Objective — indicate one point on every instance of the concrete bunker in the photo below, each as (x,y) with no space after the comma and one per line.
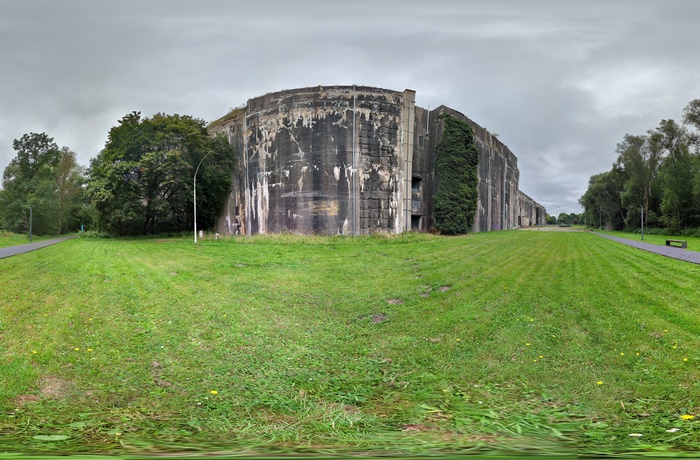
(354,160)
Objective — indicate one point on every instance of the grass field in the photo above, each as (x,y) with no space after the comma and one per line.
(530,342)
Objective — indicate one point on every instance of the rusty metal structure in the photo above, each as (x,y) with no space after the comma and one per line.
(354,160)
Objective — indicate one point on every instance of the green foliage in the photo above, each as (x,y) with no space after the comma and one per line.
(46,178)
(141,182)
(29,181)
(92,234)
(456,166)
(657,173)
(70,195)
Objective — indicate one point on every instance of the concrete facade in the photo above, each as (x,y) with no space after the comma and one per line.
(354,160)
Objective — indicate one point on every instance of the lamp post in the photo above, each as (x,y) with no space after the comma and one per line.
(194,188)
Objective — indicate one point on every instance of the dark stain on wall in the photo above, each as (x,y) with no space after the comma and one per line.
(354,160)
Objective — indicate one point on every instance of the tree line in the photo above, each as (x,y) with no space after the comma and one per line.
(654,182)
(140,183)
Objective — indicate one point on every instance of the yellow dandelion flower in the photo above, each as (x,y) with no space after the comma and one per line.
(76,349)
(534,360)
(527,344)
(214,392)
(541,356)
(685,359)
(89,350)
(622,354)
(637,353)
(599,382)
(687,417)
(34,351)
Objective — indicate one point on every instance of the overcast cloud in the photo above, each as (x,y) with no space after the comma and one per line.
(561,82)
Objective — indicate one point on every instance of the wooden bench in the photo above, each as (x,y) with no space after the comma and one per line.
(681,243)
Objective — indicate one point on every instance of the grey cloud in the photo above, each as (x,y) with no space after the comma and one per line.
(560,82)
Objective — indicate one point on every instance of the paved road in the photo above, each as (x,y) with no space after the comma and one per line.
(22,248)
(668,251)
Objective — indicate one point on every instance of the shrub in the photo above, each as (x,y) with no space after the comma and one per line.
(94,234)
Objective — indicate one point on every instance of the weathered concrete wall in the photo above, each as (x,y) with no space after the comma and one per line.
(328,160)
(423,172)
(530,212)
(498,175)
(352,160)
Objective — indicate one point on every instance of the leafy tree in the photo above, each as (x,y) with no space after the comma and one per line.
(691,113)
(456,163)
(676,174)
(640,157)
(141,182)
(602,201)
(691,117)
(29,180)
(69,178)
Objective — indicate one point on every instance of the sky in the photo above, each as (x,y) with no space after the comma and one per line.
(560,81)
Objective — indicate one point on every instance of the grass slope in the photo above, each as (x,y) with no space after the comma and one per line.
(520,341)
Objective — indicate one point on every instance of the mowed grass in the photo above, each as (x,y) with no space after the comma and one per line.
(532,342)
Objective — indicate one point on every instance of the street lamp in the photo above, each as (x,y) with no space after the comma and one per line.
(194,188)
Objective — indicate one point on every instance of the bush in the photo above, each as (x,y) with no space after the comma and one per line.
(94,234)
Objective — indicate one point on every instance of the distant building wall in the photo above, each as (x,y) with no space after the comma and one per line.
(351,160)
(530,213)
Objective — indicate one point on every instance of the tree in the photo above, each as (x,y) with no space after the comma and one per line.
(141,182)
(602,201)
(676,174)
(691,113)
(69,179)
(691,117)
(456,163)
(29,181)
(640,157)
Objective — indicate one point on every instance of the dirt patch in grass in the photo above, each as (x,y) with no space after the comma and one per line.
(53,387)
(23,400)
(379,318)
(50,387)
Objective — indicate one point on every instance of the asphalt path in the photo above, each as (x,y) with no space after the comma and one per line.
(22,248)
(667,251)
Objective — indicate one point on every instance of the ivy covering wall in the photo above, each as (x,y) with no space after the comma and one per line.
(457,177)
